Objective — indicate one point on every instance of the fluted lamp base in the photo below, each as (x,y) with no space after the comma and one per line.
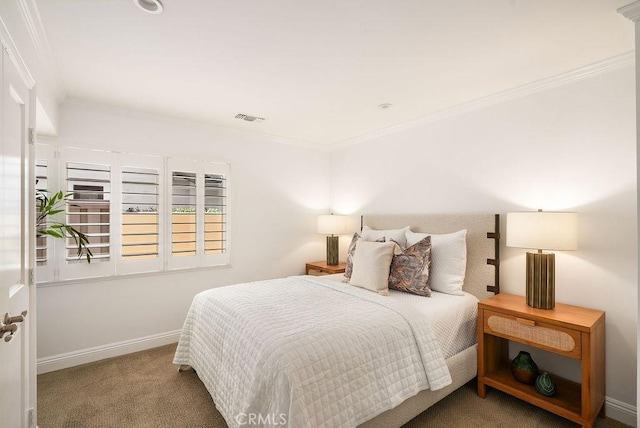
(332,250)
(541,278)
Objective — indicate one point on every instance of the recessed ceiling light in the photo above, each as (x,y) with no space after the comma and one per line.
(385,106)
(149,6)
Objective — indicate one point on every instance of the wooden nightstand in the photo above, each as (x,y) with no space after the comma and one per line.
(322,268)
(570,331)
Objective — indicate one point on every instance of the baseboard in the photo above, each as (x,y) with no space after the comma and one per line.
(83,356)
(623,412)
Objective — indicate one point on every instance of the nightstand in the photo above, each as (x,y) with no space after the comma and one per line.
(322,268)
(571,331)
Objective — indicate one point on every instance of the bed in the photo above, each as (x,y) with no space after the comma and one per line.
(313,351)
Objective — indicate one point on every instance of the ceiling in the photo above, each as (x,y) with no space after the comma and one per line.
(317,71)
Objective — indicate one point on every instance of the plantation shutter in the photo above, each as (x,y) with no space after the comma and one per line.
(46,182)
(41,186)
(141,214)
(216,236)
(198,232)
(88,179)
(214,217)
(88,209)
(184,213)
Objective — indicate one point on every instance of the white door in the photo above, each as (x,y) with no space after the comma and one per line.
(15,368)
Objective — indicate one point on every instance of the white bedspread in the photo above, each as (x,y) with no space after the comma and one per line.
(308,352)
(453,318)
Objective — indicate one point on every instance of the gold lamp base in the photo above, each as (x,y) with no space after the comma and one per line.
(332,250)
(541,280)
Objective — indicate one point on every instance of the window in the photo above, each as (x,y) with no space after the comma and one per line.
(118,201)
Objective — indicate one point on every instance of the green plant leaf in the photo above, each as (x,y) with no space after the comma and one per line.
(52,233)
(49,206)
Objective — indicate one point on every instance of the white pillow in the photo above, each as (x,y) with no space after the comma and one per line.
(371,263)
(398,235)
(448,259)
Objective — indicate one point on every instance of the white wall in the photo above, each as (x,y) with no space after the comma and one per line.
(276,192)
(568,148)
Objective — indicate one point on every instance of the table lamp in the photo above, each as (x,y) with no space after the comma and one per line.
(332,225)
(542,230)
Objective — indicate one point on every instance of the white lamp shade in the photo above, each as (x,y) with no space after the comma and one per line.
(332,224)
(542,230)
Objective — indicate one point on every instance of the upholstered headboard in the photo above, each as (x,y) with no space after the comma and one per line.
(482,277)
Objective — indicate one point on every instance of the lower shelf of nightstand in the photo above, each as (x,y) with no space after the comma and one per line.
(566,402)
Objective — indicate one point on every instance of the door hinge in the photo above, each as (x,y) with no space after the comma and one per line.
(32,276)
(32,136)
(31,420)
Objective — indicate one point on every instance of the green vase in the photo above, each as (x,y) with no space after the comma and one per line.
(524,369)
(545,385)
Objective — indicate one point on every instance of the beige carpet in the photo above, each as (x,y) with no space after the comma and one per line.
(145,390)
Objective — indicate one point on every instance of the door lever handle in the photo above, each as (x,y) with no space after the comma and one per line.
(8,329)
(17,318)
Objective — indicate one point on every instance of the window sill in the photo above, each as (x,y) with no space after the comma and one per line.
(129,275)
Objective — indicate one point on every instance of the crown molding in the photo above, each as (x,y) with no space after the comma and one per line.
(35,28)
(631,11)
(591,70)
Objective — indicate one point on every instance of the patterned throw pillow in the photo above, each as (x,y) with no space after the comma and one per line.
(350,252)
(410,269)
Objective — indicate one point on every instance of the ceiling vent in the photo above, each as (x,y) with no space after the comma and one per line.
(248,118)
